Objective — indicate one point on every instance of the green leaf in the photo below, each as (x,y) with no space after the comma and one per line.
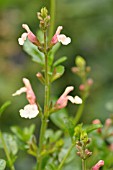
(10,143)
(51,53)
(4,106)
(69,126)
(55,48)
(2,164)
(50,58)
(56,136)
(51,166)
(58,118)
(59,61)
(58,72)
(23,134)
(93,127)
(33,51)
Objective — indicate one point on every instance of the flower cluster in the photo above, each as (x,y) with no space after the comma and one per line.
(33,39)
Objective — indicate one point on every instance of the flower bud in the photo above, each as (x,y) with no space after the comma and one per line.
(80,62)
(98,165)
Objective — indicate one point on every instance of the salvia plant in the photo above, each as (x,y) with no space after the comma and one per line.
(73,146)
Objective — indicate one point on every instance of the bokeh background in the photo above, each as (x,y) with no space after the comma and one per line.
(90,25)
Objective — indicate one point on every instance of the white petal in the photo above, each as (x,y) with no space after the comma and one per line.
(25,26)
(58,30)
(78,100)
(63,39)
(20,41)
(23,38)
(20,91)
(29,111)
(71,99)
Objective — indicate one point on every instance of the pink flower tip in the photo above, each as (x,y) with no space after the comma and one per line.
(98,165)
(60,37)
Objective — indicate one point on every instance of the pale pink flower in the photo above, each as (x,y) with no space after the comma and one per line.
(29,111)
(29,92)
(30,36)
(98,165)
(60,37)
(63,100)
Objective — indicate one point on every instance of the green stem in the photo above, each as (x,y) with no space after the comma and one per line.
(79,113)
(46,105)
(66,156)
(52,14)
(7,153)
(83,164)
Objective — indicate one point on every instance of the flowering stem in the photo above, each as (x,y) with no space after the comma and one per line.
(7,152)
(79,113)
(46,105)
(83,164)
(66,156)
(52,13)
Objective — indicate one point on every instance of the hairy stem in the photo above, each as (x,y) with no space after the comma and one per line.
(66,156)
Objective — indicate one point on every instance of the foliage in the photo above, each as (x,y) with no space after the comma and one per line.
(56,148)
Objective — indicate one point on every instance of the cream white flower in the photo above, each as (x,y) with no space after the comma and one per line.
(29,111)
(32,38)
(60,37)
(20,91)
(63,39)
(23,38)
(63,100)
(76,99)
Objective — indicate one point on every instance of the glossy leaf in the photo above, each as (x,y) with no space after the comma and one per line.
(93,127)
(33,51)
(23,134)
(10,142)
(2,164)
(59,61)
(58,118)
(58,72)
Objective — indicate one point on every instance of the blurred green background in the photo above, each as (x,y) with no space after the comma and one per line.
(90,25)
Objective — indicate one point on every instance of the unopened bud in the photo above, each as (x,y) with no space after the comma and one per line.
(75,70)
(80,62)
(88,153)
(90,81)
(108,122)
(82,87)
(98,165)
(40,77)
